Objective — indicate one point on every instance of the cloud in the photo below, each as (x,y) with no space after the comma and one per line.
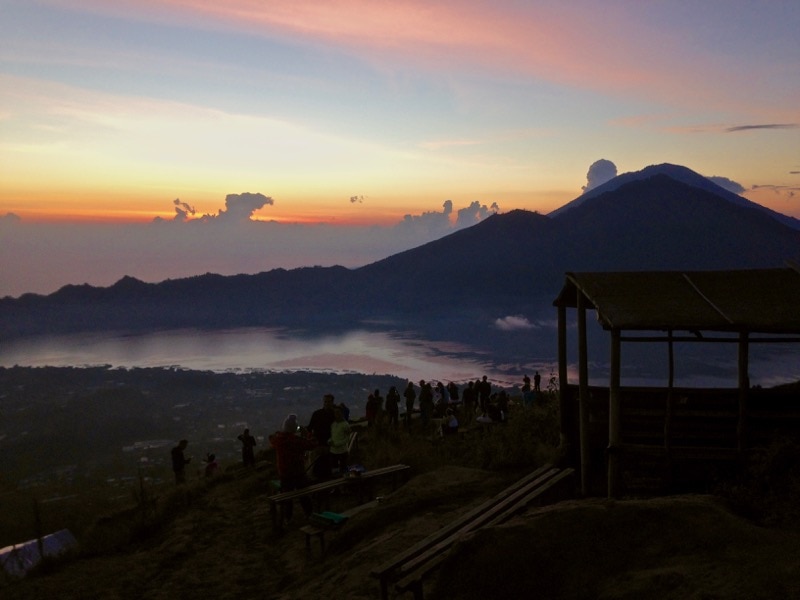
(239,208)
(727,184)
(474,213)
(431,223)
(237,244)
(764,126)
(787,190)
(514,323)
(599,172)
(10,218)
(183,210)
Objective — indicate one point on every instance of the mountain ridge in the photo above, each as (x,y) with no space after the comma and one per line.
(508,264)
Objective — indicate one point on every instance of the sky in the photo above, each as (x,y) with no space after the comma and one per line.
(168,138)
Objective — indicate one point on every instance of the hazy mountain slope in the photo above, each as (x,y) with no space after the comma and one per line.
(494,262)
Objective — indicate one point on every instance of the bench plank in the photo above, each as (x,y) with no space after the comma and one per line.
(427,562)
(276,501)
(388,570)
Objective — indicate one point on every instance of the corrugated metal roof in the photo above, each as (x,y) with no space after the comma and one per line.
(755,300)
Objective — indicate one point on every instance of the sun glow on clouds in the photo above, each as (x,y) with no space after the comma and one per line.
(129,142)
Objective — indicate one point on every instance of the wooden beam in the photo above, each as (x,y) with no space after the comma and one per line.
(566,441)
(583,386)
(670,394)
(614,416)
(744,387)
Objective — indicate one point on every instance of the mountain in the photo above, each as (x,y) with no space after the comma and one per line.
(508,264)
(678,173)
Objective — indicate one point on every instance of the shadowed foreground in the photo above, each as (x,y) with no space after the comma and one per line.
(221,546)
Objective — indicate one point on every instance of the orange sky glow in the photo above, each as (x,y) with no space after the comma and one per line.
(361,113)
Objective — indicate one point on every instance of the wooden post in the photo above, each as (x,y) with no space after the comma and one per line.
(614,416)
(744,387)
(670,395)
(583,385)
(566,440)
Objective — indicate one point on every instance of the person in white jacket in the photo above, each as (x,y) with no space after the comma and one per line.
(339,440)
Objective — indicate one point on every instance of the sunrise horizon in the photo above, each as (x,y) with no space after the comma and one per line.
(375,126)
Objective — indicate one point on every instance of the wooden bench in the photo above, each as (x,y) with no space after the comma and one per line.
(362,485)
(312,530)
(410,567)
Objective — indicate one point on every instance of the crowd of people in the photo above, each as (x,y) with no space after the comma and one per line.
(324,445)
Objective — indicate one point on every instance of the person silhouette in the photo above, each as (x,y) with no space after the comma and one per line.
(248,448)
(179,462)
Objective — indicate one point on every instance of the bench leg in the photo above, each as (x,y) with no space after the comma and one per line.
(320,535)
(273,513)
(417,590)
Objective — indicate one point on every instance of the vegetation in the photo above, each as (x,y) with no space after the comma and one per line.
(212,537)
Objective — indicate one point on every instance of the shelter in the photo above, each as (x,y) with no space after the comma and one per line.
(741,307)
(18,560)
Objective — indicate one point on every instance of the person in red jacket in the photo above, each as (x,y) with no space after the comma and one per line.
(290,450)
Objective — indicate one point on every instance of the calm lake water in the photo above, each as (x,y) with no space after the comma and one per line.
(358,351)
(396,353)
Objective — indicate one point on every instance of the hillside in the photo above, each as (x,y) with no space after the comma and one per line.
(219,546)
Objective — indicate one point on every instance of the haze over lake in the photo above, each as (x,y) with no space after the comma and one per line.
(401,353)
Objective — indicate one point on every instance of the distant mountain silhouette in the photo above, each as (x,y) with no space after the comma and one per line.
(678,173)
(508,264)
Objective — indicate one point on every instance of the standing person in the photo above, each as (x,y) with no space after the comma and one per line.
(393,406)
(484,392)
(340,440)
(211,465)
(371,410)
(290,450)
(502,404)
(527,394)
(179,462)
(320,427)
(378,406)
(468,396)
(537,382)
(442,399)
(410,395)
(452,389)
(426,404)
(248,446)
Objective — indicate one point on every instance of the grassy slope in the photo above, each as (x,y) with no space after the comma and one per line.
(214,540)
(220,546)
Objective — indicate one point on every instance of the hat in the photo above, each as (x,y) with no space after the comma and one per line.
(290,424)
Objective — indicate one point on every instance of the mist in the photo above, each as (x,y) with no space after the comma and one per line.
(42,257)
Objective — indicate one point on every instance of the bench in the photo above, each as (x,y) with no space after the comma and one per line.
(409,568)
(319,530)
(362,485)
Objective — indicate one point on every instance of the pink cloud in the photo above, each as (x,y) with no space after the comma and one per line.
(570,44)
(615,49)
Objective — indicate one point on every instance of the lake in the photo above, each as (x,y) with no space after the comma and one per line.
(404,354)
(356,351)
